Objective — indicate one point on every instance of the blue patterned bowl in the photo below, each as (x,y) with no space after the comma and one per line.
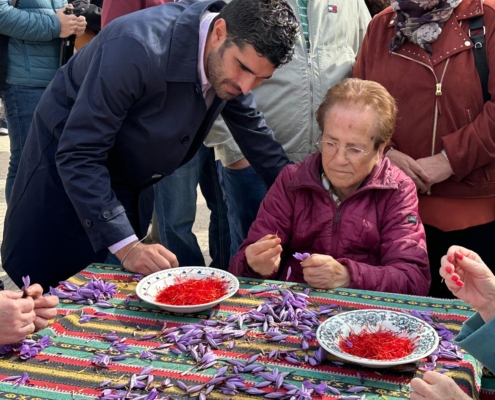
(330,332)
(151,285)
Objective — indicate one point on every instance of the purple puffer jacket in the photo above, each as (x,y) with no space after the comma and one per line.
(376,232)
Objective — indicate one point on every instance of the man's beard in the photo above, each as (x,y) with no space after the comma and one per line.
(214,66)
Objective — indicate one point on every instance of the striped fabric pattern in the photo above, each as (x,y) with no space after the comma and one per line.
(64,370)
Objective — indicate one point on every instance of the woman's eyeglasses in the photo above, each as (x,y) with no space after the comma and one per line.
(352,154)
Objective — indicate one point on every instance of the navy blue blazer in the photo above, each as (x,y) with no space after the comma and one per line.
(133,110)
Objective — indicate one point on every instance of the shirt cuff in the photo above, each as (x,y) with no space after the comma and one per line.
(120,245)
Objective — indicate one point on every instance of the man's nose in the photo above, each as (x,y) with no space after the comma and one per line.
(248,83)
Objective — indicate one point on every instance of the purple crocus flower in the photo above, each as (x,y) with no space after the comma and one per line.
(301,257)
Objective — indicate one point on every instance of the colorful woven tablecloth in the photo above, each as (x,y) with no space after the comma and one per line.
(64,370)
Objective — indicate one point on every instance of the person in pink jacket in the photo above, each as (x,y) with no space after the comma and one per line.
(347,206)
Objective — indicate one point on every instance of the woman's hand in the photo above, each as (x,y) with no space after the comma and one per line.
(435,386)
(44,306)
(324,272)
(146,258)
(263,256)
(16,317)
(412,169)
(479,282)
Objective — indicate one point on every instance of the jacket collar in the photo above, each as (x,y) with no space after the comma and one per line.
(183,57)
(451,41)
(308,175)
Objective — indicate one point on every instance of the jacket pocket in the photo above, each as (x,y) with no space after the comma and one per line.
(25,55)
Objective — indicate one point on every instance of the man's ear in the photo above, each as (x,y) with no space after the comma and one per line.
(219,32)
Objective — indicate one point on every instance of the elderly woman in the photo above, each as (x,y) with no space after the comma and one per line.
(355,213)
(422,53)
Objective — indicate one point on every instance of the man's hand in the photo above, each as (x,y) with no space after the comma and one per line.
(80,26)
(435,386)
(437,167)
(324,272)
(412,169)
(68,23)
(16,317)
(44,306)
(264,256)
(147,258)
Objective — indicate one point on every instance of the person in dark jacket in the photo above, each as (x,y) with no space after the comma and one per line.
(129,108)
(354,213)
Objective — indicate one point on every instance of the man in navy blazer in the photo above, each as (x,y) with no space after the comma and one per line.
(129,108)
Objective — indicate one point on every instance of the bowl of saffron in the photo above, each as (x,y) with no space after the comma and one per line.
(187,289)
(377,338)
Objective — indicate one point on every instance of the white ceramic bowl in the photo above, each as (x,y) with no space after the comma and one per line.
(330,332)
(150,286)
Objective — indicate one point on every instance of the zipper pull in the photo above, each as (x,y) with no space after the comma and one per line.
(309,60)
(439,90)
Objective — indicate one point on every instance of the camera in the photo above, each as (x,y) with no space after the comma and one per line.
(67,46)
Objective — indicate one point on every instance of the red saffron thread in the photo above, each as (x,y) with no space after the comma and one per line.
(383,344)
(190,291)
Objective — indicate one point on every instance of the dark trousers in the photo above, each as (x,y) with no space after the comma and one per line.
(479,239)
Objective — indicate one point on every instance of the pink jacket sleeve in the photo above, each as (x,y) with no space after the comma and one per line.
(404,260)
(274,216)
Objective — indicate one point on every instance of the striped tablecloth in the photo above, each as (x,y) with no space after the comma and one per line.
(64,370)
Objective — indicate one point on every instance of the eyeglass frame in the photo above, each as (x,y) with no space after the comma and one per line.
(320,148)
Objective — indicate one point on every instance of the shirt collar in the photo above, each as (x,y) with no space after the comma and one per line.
(204,26)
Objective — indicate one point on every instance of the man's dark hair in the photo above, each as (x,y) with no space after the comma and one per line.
(270,26)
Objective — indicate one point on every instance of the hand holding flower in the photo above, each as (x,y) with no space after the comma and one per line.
(478,288)
(263,256)
(324,272)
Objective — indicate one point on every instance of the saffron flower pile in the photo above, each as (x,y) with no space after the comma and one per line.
(96,292)
(190,291)
(383,344)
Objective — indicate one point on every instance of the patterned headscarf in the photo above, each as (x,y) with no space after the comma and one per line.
(420,21)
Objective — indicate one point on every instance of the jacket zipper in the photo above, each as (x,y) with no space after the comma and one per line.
(438,93)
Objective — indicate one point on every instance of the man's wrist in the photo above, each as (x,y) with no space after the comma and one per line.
(120,254)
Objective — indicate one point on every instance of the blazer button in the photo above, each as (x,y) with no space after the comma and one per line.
(184,139)
(87,222)
(106,214)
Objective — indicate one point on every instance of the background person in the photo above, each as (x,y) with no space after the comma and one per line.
(354,212)
(421,51)
(34,28)
(477,333)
